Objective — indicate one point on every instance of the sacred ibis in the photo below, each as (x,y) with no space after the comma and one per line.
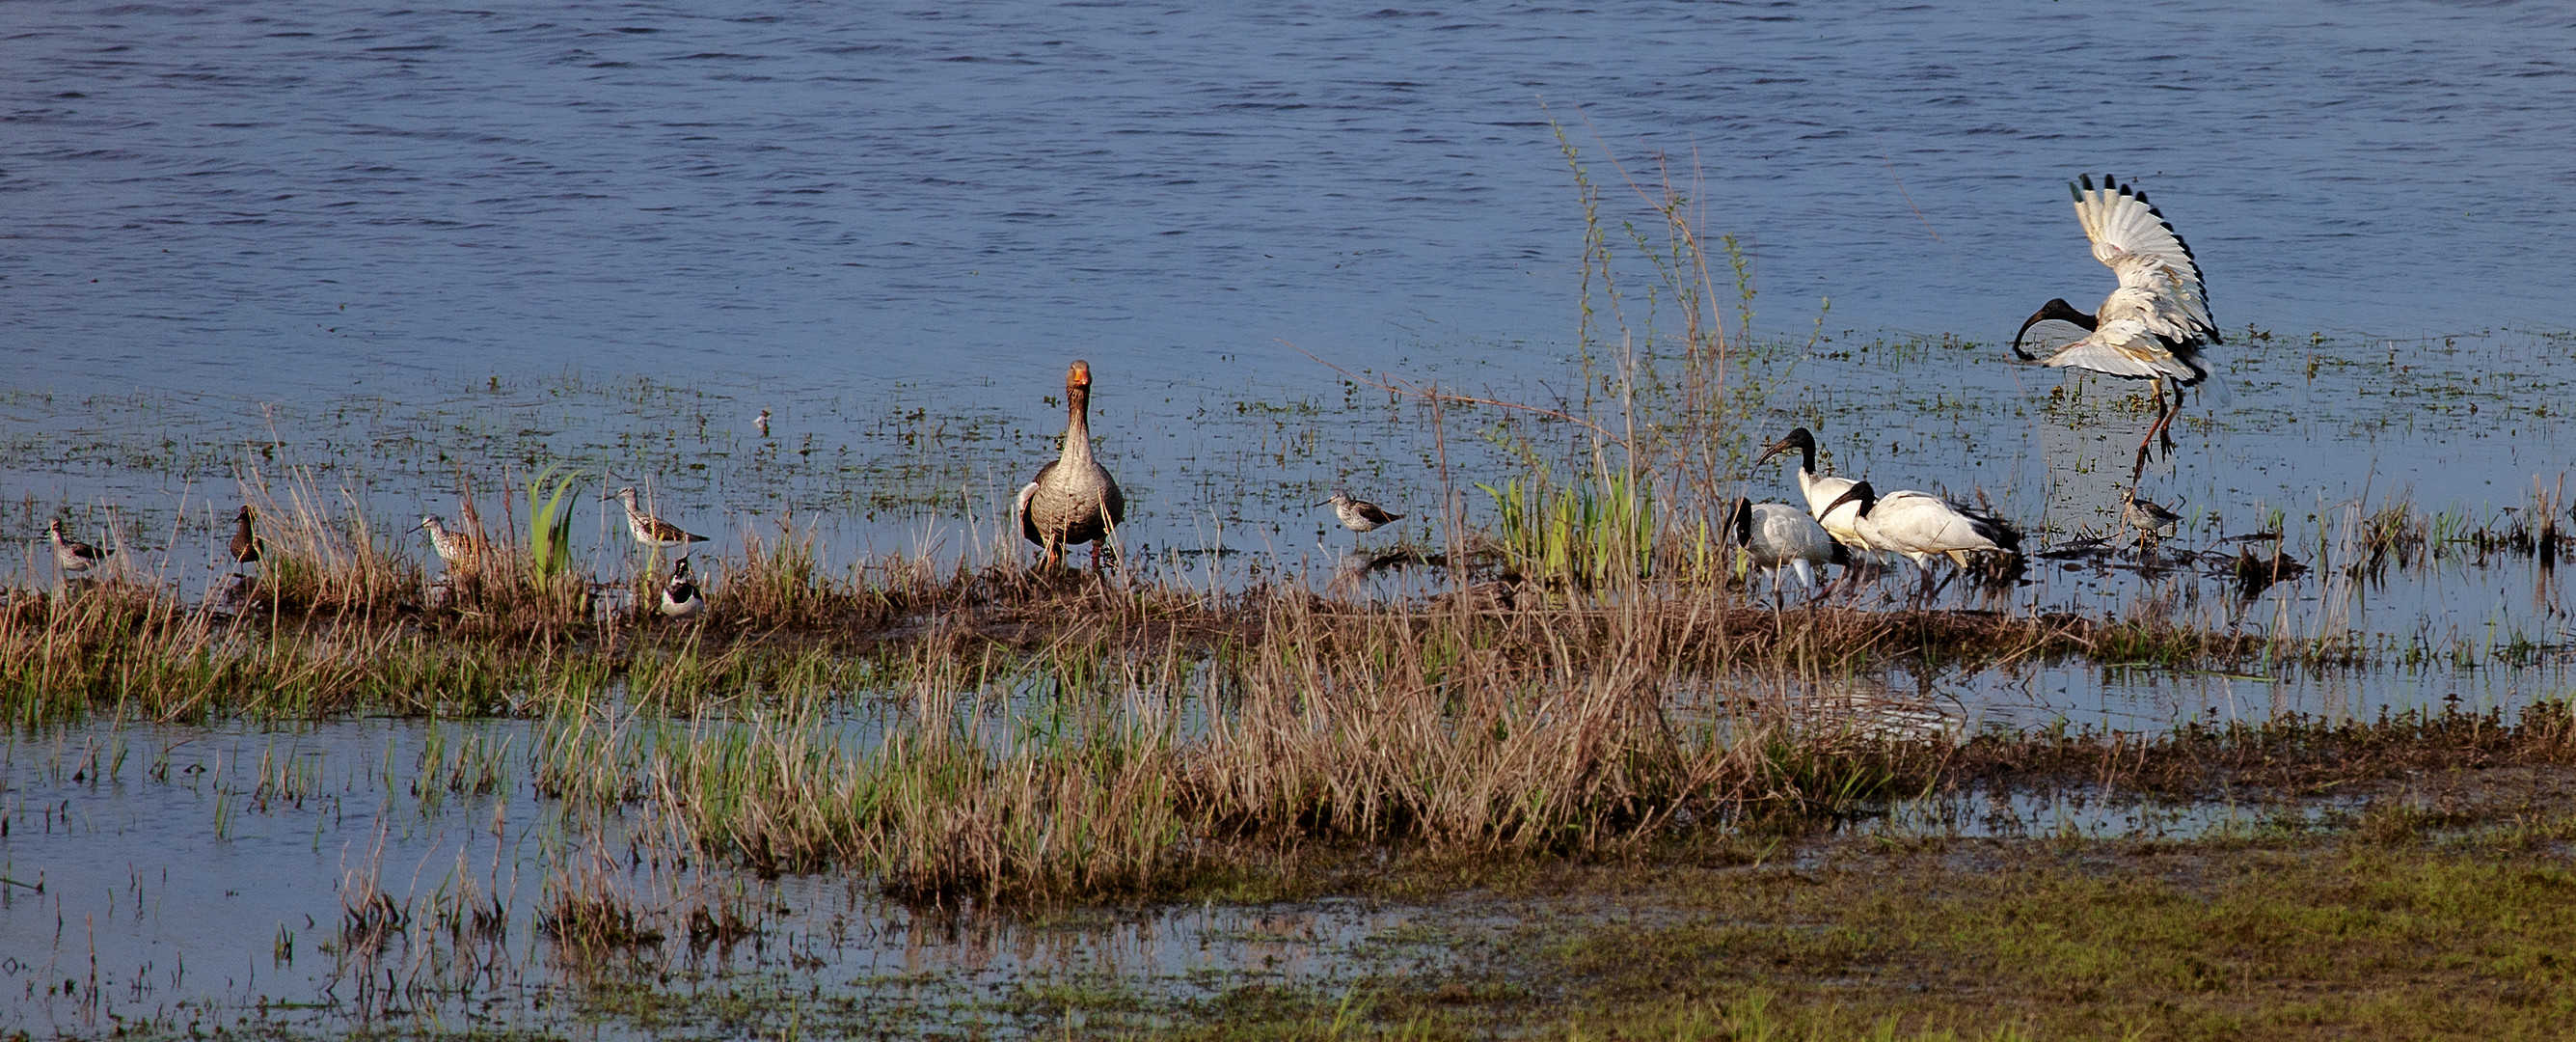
(1777,536)
(1820,491)
(2153,326)
(1922,526)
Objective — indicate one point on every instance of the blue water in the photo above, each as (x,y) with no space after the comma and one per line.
(382,238)
(254,198)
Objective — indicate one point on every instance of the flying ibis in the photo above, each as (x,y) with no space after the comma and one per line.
(2153,326)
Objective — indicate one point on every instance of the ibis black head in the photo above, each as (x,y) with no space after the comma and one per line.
(2057,309)
(1798,439)
(1860,493)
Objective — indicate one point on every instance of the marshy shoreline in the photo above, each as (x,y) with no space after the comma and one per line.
(1599,778)
(1663,810)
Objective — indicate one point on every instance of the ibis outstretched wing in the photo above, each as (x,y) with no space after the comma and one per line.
(2160,281)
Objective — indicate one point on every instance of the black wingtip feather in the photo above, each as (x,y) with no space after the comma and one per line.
(1998,531)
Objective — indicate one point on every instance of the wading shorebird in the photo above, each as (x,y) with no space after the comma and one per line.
(762,422)
(1821,492)
(2152,522)
(1777,536)
(1922,526)
(648,529)
(1358,515)
(245,545)
(2153,326)
(1073,499)
(456,548)
(680,597)
(71,555)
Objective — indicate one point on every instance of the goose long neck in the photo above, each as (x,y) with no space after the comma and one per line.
(1077,424)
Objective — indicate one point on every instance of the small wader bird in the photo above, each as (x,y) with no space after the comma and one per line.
(2152,521)
(1073,499)
(71,555)
(245,544)
(1358,515)
(648,529)
(456,548)
(2153,326)
(680,597)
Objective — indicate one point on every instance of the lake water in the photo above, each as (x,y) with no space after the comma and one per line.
(383,246)
(253,198)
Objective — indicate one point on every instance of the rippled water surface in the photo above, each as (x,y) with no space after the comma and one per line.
(248,197)
(358,251)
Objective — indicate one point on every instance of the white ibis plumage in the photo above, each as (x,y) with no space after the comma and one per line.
(1922,526)
(1777,536)
(1820,490)
(1073,499)
(2153,326)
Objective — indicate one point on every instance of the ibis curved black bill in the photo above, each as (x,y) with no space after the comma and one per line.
(2057,309)
(1860,493)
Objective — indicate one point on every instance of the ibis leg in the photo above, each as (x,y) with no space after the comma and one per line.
(2165,415)
(2153,429)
